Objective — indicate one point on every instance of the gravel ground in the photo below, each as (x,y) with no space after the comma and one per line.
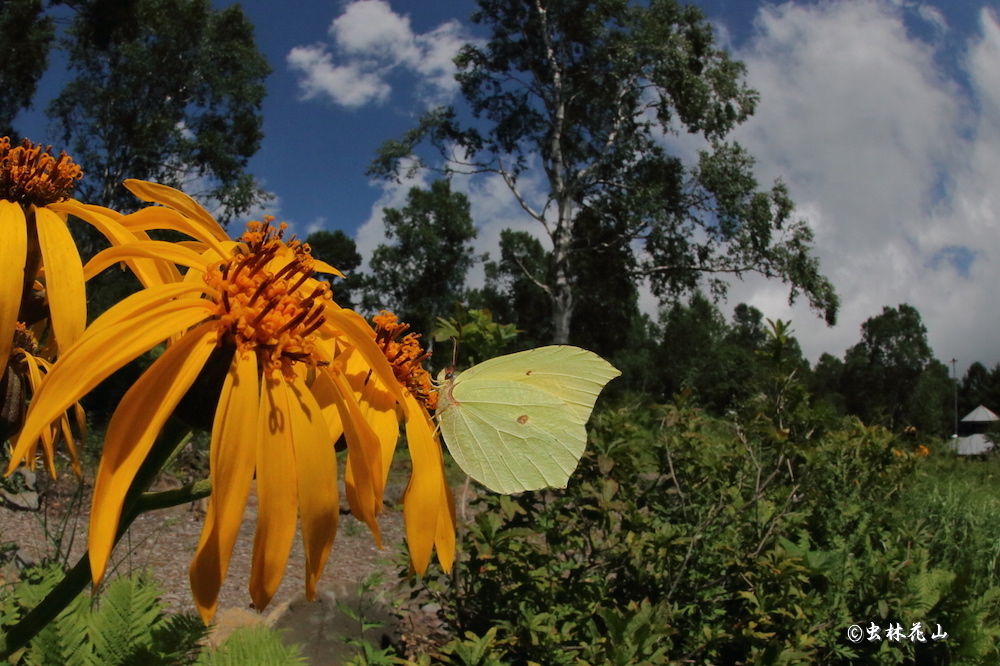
(164,542)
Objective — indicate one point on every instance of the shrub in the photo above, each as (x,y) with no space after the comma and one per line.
(683,538)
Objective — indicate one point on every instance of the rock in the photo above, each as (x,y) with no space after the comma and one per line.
(26,500)
(323,629)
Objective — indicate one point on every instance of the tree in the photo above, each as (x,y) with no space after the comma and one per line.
(827,381)
(979,386)
(604,318)
(930,407)
(689,359)
(513,291)
(748,327)
(340,251)
(586,90)
(421,275)
(974,389)
(883,370)
(24,52)
(165,90)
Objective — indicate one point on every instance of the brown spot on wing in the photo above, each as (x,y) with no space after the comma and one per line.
(522,419)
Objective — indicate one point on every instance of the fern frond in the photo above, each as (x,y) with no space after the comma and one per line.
(124,621)
(177,639)
(252,646)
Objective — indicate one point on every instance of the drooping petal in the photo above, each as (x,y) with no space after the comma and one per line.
(277,491)
(98,354)
(34,381)
(67,434)
(316,466)
(13,250)
(444,542)
(180,202)
(133,430)
(363,480)
(233,454)
(424,498)
(35,365)
(64,283)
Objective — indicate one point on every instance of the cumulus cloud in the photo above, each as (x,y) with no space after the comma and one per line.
(891,159)
(369,44)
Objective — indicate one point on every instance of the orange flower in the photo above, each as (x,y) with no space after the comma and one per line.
(428,505)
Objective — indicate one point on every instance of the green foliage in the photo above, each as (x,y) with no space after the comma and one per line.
(368,599)
(727,366)
(165,90)
(419,275)
(686,539)
(24,55)
(128,625)
(476,336)
(890,377)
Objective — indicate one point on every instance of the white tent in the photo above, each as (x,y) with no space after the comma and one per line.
(976,444)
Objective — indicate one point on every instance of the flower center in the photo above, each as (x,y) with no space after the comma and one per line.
(262,307)
(24,339)
(406,357)
(30,175)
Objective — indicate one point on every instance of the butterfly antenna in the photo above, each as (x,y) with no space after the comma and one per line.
(454,359)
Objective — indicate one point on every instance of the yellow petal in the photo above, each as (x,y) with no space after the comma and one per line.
(63,278)
(172,252)
(322,267)
(182,203)
(316,464)
(33,366)
(67,434)
(444,541)
(233,453)
(108,223)
(133,430)
(362,337)
(98,354)
(153,298)
(363,479)
(13,250)
(379,410)
(276,493)
(423,499)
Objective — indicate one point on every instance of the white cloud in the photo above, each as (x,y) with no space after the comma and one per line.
(370,42)
(318,224)
(347,85)
(890,160)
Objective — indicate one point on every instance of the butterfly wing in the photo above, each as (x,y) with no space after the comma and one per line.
(510,436)
(574,375)
(518,422)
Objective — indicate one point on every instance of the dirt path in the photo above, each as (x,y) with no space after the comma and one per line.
(164,542)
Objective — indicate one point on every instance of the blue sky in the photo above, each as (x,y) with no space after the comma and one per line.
(882,116)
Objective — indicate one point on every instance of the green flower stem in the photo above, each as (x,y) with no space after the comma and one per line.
(137,502)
